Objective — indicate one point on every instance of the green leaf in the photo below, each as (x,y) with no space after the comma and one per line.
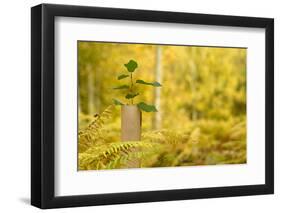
(131,65)
(122,87)
(131,95)
(122,76)
(117,102)
(146,107)
(155,83)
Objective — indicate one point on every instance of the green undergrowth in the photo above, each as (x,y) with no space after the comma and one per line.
(201,142)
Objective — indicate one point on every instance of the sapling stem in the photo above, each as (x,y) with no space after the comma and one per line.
(131,91)
(131,88)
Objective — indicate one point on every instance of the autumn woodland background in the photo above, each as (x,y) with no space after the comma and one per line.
(201,118)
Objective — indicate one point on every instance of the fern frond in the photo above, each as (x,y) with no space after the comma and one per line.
(194,136)
(92,133)
(107,156)
(166,136)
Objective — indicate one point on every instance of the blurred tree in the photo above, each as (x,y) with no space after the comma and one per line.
(203,100)
(157,117)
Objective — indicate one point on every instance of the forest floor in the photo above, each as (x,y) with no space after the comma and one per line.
(204,142)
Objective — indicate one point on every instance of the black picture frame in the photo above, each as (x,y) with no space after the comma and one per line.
(43,102)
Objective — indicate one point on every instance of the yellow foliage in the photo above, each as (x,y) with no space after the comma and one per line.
(202,106)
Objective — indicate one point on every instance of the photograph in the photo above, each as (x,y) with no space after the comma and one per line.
(146,105)
(132,105)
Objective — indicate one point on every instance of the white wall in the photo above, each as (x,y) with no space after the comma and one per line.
(15,105)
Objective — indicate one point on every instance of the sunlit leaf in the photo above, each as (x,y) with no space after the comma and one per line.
(155,83)
(146,107)
(117,102)
(122,87)
(131,65)
(122,76)
(131,95)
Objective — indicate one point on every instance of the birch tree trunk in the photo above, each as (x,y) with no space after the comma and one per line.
(97,92)
(193,69)
(157,118)
(90,91)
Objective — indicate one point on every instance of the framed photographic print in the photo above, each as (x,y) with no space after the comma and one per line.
(139,106)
